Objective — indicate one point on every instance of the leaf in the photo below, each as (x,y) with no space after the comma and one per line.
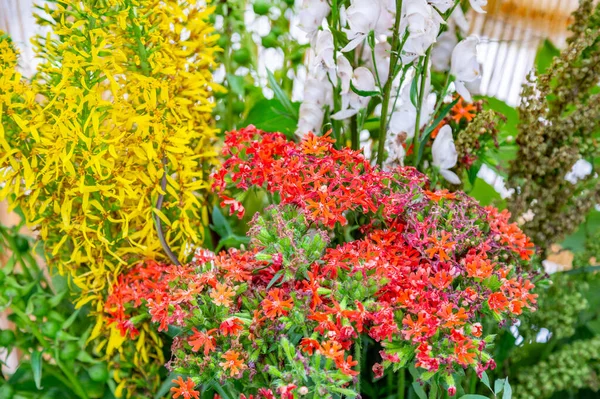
(275,278)
(220,224)
(280,95)
(36,368)
(164,388)
(507,391)
(486,381)
(271,116)
(431,127)
(499,385)
(236,84)
(545,56)
(419,390)
(471,396)
(364,93)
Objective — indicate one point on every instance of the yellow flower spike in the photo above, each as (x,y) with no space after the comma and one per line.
(82,145)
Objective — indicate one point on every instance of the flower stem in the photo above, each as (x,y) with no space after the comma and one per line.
(388,84)
(417,137)
(358,359)
(161,237)
(402,384)
(354,133)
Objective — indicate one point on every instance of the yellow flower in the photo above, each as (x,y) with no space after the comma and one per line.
(123,95)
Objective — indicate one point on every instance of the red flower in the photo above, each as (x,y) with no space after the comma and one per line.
(309,345)
(345,366)
(185,389)
(200,340)
(498,301)
(231,326)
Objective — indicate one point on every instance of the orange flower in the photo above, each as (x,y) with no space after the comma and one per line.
(185,389)
(231,326)
(451,319)
(479,268)
(438,195)
(460,111)
(202,340)
(498,301)
(232,362)
(345,366)
(309,345)
(222,295)
(274,305)
(464,352)
(332,349)
(440,247)
(477,330)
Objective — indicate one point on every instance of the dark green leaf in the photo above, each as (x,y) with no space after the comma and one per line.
(363,93)
(36,368)
(280,95)
(275,278)
(220,224)
(164,388)
(271,116)
(419,390)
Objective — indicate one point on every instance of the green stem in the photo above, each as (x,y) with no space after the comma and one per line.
(227,64)
(354,133)
(417,137)
(402,384)
(358,358)
(388,85)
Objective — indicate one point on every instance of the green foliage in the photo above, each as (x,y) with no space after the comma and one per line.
(49,334)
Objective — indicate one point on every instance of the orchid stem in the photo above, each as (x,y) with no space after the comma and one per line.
(388,84)
(417,137)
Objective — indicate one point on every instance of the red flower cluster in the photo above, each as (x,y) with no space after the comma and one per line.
(418,278)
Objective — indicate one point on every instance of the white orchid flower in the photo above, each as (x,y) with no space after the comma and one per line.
(364,16)
(362,80)
(464,65)
(404,117)
(442,5)
(444,154)
(324,51)
(317,94)
(311,15)
(423,25)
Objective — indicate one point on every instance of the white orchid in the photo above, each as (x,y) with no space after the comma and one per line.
(464,66)
(317,94)
(423,25)
(444,154)
(362,80)
(442,5)
(404,117)
(324,52)
(478,4)
(364,16)
(311,15)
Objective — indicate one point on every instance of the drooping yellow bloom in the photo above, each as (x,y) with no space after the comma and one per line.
(123,94)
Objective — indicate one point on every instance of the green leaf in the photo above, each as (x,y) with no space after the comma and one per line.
(275,278)
(507,391)
(499,385)
(280,95)
(419,390)
(271,116)
(220,224)
(364,93)
(545,55)
(236,84)
(486,381)
(471,396)
(164,388)
(36,368)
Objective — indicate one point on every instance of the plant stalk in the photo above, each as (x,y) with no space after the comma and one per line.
(388,84)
